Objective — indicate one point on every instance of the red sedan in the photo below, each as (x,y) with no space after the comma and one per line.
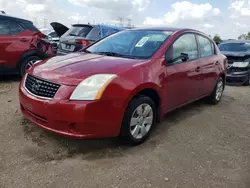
(124,83)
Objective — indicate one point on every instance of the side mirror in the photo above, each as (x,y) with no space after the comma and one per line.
(170,60)
(184,57)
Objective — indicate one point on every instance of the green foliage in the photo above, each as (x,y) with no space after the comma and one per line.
(217,39)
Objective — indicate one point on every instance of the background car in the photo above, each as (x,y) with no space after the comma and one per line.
(21,45)
(52,37)
(80,35)
(123,83)
(238,55)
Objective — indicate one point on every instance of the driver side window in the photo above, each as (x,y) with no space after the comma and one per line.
(183,49)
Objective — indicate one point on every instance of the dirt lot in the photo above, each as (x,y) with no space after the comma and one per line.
(197,146)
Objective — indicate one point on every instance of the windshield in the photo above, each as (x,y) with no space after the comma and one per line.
(141,44)
(80,31)
(235,47)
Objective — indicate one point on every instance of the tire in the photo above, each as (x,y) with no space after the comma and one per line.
(215,97)
(138,120)
(27,63)
(248,81)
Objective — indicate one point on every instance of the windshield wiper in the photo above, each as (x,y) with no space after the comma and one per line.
(86,51)
(115,54)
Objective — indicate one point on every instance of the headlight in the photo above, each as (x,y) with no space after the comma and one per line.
(92,87)
(240,64)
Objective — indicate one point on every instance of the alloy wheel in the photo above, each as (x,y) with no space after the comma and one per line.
(141,121)
(30,64)
(219,90)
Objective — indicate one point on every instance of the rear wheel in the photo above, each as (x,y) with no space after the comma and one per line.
(27,63)
(216,96)
(138,120)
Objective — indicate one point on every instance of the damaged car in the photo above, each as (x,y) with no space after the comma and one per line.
(122,84)
(238,55)
(21,45)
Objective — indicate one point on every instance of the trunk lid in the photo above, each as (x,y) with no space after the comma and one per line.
(59,28)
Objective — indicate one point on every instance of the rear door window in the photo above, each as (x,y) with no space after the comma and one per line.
(15,28)
(206,47)
(4,27)
(30,26)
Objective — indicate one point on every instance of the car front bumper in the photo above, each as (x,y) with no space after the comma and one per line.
(237,78)
(79,119)
(62,52)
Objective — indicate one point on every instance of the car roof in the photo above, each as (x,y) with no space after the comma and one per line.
(162,29)
(100,25)
(13,18)
(235,41)
(169,29)
(110,27)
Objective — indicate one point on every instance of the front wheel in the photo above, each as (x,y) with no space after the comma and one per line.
(27,63)
(248,81)
(216,96)
(138,120)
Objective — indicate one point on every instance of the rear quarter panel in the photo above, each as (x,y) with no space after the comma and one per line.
(17,45)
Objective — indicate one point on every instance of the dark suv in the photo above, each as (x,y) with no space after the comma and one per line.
(21,45)
(238,55)
(80,35)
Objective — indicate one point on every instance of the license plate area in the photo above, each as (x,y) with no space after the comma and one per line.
(68,47)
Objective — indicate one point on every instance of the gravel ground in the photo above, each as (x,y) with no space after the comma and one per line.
(197,146)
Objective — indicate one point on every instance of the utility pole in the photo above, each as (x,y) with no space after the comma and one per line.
(35,21)
(121,21)
(45,22)
(129,22)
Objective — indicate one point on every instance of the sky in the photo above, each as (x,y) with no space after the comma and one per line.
(228,18)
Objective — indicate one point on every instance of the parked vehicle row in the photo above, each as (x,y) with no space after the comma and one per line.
(124,83)
(80,35)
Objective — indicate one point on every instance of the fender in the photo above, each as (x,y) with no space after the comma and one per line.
(31,53)
(140,88)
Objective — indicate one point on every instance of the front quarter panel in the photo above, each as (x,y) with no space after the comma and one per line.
(148,75)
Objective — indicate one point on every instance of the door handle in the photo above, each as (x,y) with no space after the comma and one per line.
(198,69)
(24,40)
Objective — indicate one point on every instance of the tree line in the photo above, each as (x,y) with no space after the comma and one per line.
(218,39)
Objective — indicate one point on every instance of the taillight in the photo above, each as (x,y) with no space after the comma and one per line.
(83,42)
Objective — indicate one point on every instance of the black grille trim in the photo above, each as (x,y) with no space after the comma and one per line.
(237,69)
(40,88)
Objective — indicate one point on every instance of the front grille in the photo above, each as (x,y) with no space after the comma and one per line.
(40,87)
(237,69)
(232,59)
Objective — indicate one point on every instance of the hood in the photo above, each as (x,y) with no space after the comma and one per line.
(71,69)
(59,28)
(235,54)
